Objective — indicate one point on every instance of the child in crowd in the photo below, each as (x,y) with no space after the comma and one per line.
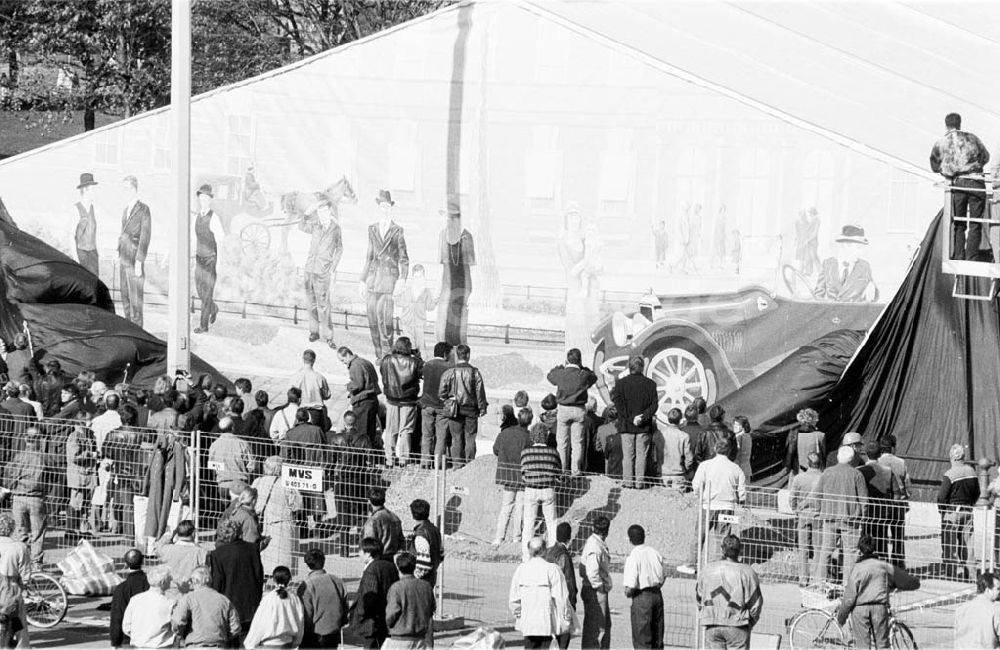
(548,416)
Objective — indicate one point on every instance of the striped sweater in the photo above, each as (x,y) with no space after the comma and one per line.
(540,467)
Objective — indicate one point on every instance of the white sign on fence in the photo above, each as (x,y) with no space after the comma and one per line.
(216,466)
(298,477)
(729,519)
(459,489)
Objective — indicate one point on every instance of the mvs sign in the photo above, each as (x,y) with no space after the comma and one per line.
(297,477)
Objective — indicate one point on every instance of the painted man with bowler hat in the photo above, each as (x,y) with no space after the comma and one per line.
(86,227)
(846,277)
(207,229)
(385,263)
(133,244)
(325,250)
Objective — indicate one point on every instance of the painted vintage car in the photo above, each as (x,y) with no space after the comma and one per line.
(710,345)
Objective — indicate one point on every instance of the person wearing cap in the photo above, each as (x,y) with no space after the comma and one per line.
(86,228)
(457,254)
(326,247)
(25,478)
(842,496)
(846,277)
(853,440)
(897,513)
(207,231)
(385,262)
(133,244)
(883,492)
(959,491)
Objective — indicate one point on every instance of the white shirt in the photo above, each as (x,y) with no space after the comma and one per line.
(282,421)
(277,622)
(720,482)
(643,568)
(104,424)
(147,620)
(313,386)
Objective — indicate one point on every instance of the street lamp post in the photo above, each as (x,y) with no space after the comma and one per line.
(179,327)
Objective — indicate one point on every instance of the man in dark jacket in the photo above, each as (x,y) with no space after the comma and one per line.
(368,611)
(462,386)
(510,442)
(237,572)
(434,426)
(324,603)
(959,491)
(636,402)
(560,555)
(48,388)
(715,431)
(608,444)
(305,445)
(135,583)
(386,262)
(363,390)
(383,524)
(425,542)
(572,381)
(401,372)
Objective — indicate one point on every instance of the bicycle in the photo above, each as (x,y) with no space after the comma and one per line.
(817,627)
(45,602)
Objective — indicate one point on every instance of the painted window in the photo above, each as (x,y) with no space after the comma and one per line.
(818,182)
(107,146)
(543,165)
(753,193)
(404,160)
(239,144)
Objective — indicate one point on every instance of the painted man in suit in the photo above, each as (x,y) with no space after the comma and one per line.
(325,249)
(847,277)
(385,263)
(133,244)
(86,228)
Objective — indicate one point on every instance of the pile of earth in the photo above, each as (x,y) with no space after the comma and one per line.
(473,500)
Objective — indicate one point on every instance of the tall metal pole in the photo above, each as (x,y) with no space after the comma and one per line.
(179,327)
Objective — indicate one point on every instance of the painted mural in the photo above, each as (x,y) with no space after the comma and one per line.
(712,242)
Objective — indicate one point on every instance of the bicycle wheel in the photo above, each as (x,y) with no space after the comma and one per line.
(44,601)
(815,628)
(902,638)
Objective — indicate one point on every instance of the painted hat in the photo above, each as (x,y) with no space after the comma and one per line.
(855,234)
(384,197)
(86,179)
(205,189)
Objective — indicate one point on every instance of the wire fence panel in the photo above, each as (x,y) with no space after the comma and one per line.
(128,486)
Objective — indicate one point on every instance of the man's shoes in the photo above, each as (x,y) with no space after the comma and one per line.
(330,342)
(199,330)
(313,337)
(215,313)
(687,569)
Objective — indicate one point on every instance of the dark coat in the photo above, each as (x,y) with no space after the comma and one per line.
(133,243)
(164,480)
(304,444)
(560,556)
(368,611)
(635,395)
(507,448)
(238,574)
(135,583)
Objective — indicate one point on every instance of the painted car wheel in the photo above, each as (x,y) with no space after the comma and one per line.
(254,238)
(680,377)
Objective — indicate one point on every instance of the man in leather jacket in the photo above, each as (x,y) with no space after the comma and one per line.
(464,403)
(401,371)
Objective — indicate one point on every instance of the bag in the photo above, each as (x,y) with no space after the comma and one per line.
(265,541)
(483,638)
(330,497)
(450,408)
(140,509)
(86,572)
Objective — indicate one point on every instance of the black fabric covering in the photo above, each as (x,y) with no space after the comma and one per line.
(804,379)
(929,372)
(70,315)
(39,273)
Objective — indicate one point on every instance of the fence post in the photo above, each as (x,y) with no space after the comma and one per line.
(195,451)
(527,294)
(295,314)
(506,334)
(244,310)
(439,520)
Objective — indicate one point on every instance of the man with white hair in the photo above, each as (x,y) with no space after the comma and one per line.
(203,617)
(959,491)
(539,599)
(842,496)
(147,616)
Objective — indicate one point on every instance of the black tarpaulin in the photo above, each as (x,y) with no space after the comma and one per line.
(39,273)
(803,379)
(928,373)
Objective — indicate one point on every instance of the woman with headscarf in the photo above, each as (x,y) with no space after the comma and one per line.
(277,507)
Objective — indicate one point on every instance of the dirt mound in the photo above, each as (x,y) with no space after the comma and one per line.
(473,501)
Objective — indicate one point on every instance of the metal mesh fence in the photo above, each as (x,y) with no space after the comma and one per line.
(127,487)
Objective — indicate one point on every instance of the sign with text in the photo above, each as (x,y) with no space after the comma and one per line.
(216,466)
(459,489)
(298,477)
